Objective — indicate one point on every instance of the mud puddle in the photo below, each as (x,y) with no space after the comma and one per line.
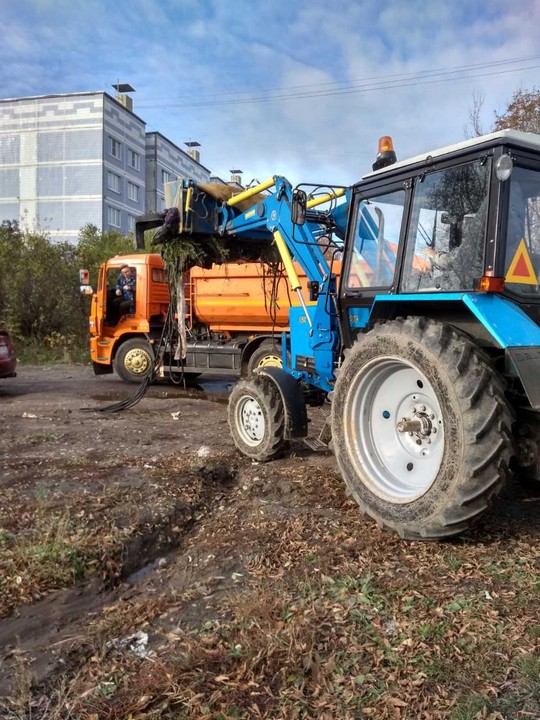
(154,566)
(214,389)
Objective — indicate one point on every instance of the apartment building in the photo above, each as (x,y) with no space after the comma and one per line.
(69,160)
(165,161)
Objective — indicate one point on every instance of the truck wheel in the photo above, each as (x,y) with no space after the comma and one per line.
(268,354)
(421,428)
(257,418)
(134,360)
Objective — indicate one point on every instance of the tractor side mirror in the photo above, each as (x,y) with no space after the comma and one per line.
(299,207)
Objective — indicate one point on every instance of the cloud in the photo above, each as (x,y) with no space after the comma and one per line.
(203,70)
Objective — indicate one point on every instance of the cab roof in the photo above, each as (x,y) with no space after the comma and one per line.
(529,141)
(135,259)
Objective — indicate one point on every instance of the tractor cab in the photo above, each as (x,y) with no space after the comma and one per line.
(463,219)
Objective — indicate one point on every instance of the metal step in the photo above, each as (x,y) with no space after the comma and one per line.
(316,444)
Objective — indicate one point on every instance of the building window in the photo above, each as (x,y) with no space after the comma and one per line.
(114,182)
(165,176)
(114,217)
(133,192)
(131,224)
(115,147)
(134,159)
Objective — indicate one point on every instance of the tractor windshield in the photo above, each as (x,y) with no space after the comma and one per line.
(446,234)
(522,246)
(376,240)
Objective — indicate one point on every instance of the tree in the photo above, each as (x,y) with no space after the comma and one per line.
(521,113)
(95,247)
(40,300)
(474,125)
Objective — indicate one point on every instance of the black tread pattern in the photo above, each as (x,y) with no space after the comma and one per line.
(477,456)
(265,392)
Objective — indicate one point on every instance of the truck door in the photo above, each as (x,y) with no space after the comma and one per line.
(99,302)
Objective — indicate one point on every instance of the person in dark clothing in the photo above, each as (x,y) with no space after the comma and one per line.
(125,291)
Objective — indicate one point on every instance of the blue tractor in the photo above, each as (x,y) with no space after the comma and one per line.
(427,344)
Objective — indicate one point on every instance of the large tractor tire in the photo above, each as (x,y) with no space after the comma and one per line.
(421,428)
(268,354)
(134,360)
(257,418)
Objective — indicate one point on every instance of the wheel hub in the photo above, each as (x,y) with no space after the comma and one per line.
(420,424)
(137,361)
(269,361)
(252,420)
(398,431)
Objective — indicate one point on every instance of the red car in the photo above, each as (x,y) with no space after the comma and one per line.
(8,361)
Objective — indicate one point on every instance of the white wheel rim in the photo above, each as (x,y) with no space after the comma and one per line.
(250,421)
(397,433)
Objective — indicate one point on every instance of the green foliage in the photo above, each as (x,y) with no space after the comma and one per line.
(40,299)
(95,247)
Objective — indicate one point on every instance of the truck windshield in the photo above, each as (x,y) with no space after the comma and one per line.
(522,246)
(446,235)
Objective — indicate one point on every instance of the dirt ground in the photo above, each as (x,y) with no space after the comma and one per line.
(145,478)
(148,521)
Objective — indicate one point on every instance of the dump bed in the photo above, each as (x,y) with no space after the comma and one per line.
(241,297)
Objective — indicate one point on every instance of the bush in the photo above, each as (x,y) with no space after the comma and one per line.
(40,300)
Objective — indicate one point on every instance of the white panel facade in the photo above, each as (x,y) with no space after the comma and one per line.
(165,162)
(50,153)
(123,167)
(70,160)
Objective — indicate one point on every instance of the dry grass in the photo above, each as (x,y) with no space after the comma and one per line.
(342,647)
(332,619)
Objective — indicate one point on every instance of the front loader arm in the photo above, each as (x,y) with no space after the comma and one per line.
(271,218)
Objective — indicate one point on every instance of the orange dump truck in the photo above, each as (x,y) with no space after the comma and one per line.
(235,314)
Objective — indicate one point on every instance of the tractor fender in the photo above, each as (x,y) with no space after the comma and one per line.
(296,421)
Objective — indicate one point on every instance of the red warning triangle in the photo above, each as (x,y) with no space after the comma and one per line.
(521,269)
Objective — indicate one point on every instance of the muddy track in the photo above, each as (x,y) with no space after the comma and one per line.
(153,479)
(52,632)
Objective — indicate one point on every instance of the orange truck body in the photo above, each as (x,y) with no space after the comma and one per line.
(236,303)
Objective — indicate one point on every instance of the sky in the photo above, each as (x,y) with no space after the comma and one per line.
(301,88)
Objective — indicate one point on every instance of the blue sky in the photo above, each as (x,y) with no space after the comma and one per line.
(302,88)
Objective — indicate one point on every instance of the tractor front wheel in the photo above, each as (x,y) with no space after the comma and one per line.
(257,418)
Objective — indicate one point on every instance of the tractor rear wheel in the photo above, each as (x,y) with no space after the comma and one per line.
(421,428)
(257,418)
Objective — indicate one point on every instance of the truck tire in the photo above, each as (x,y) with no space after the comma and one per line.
(268,354)
(134,360)
(421,428)
(257,418)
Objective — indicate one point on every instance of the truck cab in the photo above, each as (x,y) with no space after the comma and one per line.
(110,328)
(235,316)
